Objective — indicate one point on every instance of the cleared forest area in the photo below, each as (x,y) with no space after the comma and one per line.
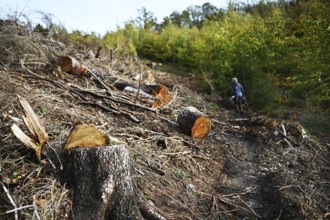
(251,166)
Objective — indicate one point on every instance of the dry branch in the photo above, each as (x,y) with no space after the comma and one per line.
(100,81)
(115,99)
(115,111)
(149,212)
(10,199)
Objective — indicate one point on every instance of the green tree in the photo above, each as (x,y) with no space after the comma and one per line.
(124,40)
(146,19)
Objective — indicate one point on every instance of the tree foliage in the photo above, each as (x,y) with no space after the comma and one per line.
(279,50)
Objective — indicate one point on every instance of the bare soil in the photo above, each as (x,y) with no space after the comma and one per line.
(246,168)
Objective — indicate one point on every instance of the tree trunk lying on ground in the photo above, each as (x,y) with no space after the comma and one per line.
(141,95)
(71,65)
(122,84)
(194,123)
(159,92)
(102,185)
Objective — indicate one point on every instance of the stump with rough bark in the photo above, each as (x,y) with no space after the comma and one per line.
(193,122)
(102,184)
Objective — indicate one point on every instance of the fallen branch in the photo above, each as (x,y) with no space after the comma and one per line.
(224,199)
(19,208)
(117,112)
(207,80)
(149,212)
(286,138)
(109,91)
(42,78)
(179,153)
(113,99)
(252,210)
(35,212)
(173,99)
(10,199)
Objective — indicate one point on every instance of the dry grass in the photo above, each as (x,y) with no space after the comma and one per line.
(29,193)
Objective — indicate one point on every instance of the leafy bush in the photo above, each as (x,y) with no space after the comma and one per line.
(261,92)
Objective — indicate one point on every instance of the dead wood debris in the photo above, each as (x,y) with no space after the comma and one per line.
(182,177)
(35,127)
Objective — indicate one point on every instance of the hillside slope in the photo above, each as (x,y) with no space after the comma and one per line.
(248,167)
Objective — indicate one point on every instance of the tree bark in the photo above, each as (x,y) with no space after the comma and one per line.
(102,184)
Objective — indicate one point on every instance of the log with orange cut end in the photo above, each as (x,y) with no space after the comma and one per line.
(194,123)
(163,96)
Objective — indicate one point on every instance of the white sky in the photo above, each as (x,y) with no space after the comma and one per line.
(99,16)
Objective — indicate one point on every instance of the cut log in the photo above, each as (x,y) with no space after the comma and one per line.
(71,65)
(194,123)
(102,184)
(141,95)
(163,96)
(122,84)
(159,91)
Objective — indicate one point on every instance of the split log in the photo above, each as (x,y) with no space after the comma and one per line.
(32,121)
(71,65)
(194,123)
(102,184)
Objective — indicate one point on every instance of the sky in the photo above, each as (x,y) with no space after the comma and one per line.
(98,16)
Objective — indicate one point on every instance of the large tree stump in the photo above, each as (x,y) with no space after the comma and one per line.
(102,185)
(194,123)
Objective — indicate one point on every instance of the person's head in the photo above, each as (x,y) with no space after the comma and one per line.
(234,80)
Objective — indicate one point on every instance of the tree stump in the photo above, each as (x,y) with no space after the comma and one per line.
(102,185)
(194,123)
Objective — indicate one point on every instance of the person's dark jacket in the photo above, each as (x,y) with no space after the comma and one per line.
(237,92)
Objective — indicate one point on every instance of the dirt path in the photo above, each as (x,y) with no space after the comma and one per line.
(248,175)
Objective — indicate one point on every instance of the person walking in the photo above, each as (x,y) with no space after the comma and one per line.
(238,95)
